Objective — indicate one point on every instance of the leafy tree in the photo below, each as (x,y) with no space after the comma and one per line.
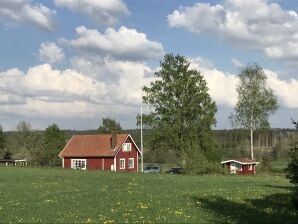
(255,101)
(2,141)
(54,141)
(183,110)
(27,141)
(24,136)
(108,126)
(147,120)
(7,155)
(292,169)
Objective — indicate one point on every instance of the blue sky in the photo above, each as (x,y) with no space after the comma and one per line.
(74,62)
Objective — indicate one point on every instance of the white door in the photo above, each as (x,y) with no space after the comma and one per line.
(233,168)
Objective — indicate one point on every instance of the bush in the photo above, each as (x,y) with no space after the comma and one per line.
(197,163)
(266,164)
(295,197)
(292,169)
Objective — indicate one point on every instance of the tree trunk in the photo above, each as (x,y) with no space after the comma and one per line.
(251,137)
(251,143)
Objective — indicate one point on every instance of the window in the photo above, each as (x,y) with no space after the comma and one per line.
(131,163)
(126,147)
(238,166)
(122,164)
(78,164)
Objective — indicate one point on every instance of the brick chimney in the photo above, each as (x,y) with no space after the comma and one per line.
(114,139)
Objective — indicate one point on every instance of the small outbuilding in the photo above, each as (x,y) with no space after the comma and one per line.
(13,162)
(240,166)
(114,152)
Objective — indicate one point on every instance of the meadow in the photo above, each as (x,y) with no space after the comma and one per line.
(44,195)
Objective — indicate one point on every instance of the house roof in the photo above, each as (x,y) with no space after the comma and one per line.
(243,161)
(92,145)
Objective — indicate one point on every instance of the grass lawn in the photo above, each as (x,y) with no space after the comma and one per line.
(279,165)
(36,195)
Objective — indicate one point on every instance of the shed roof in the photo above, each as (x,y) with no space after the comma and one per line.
(92,145)
(243,161)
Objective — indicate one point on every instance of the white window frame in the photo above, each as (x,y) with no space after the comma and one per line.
(126,147)
(76,164)
(122,167)
(131,166)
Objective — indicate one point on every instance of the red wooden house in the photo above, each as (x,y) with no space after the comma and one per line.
(241,166)
(115,152)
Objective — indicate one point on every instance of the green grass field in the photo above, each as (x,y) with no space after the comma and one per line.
(35,195)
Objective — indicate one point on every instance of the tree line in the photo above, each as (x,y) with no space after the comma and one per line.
(39,148)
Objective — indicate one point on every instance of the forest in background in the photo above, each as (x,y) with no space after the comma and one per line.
(234,143)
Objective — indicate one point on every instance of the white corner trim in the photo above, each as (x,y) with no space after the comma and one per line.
(115,164)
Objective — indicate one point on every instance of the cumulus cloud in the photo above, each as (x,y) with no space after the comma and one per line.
(103,12)
(286,90)
(222,85)
(127,44)
(50,53)
(46,92)
(20,12)
(44,82)
(123,78)
(257,24)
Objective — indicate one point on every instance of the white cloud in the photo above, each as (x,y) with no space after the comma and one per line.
(236,63)
(286,90)
(44,85)
(24,11)
(127,44)
(222,85)
(256,24)
(103,12)
(50,53)
(123,78)
(46,92)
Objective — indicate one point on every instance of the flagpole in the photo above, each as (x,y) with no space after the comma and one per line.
(142,151)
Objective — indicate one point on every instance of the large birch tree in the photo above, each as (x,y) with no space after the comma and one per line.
(256,101)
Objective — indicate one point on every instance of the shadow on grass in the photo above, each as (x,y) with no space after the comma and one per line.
(275,208)
(280,187)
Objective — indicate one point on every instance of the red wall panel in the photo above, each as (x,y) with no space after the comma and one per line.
(67,162)
(108,161)
(94,163)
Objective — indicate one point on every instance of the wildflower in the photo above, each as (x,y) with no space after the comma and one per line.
(178,212)
(143,206)
(89,220)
